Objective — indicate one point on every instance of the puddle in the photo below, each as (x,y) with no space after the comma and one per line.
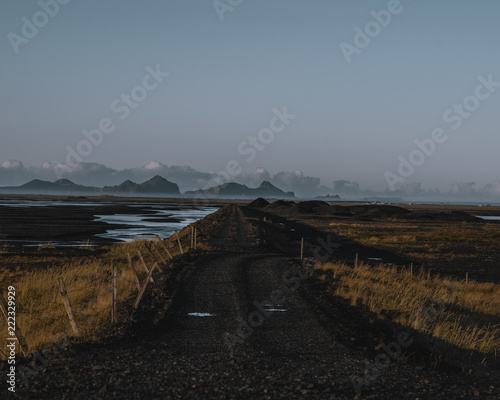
(489,217)
(275,308)
(200,314)
(374,258)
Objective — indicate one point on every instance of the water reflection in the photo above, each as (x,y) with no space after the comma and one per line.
(164,222)
(143,219)
(200,314)
(489,217)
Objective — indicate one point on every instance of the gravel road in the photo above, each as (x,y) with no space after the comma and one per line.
(244,323)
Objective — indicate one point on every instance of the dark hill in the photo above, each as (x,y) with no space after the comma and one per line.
(38,185)
(158,185)
(280,205)
(127,187)
(258,203)
(60,186)
(314,207)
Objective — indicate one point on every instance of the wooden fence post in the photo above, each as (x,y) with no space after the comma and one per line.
(153,245)
(137,283)
(164,247)
(179,241)
(356,261)
(195,238)
(466,278)
(113,308)
(153,256)
(67,305)
(192,237)
(144,286)
(19,335)
(301,248)
(144,264)
(411,268)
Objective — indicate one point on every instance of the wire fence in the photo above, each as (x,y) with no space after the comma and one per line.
(65,300)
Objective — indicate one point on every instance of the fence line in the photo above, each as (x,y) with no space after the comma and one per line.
(151,247)
(164,247)
(133,272)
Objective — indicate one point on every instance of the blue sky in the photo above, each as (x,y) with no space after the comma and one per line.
(353,119)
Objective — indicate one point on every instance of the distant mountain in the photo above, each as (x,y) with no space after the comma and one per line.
(37,186)
(237,190)
(328,197)
(66,184)
(156,185)
(125,187)
(267,189)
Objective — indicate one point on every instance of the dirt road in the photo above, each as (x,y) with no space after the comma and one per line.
(244,323)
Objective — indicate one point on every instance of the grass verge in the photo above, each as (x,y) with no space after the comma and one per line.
(465,315)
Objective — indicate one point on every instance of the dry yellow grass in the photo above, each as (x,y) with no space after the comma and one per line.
(465,315)
(40,313)
(375,232)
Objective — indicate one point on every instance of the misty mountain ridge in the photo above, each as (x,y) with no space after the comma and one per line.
(14,172)
(154,186)
(238,190)
(158,184)
(61,185)
(126,187)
